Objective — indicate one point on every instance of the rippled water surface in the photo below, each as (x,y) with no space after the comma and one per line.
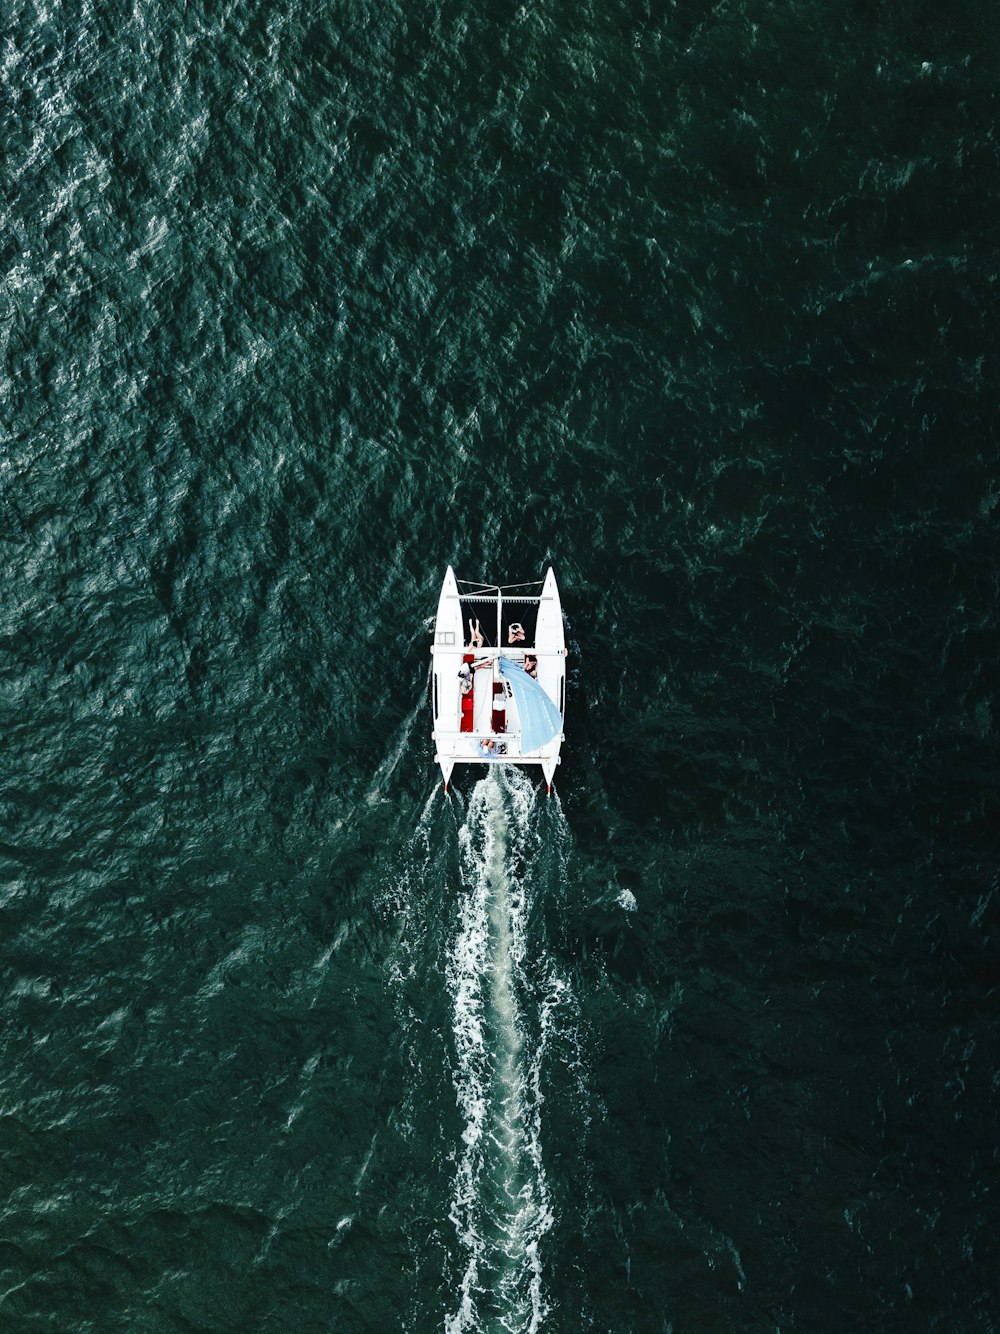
(301,304)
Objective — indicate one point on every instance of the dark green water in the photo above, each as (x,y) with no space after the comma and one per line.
(301,304)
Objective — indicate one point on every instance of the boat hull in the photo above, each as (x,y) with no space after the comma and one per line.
(476,715)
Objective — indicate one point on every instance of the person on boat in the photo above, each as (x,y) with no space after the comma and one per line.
(531,665)
(465,675)
(487,746)
(475,634)
(515,633)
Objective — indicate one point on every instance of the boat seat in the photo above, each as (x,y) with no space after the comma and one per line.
(467,714)
(468,705)
(499,713)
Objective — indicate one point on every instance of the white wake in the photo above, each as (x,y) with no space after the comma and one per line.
(465,905)
(501,1207)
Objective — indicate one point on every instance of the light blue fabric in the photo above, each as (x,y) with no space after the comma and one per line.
(540,720)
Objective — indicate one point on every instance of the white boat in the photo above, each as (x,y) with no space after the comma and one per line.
(498,688)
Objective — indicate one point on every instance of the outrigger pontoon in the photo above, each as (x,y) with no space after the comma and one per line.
(498,689)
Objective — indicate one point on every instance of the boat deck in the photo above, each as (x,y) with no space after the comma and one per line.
(488,711)
(461,722)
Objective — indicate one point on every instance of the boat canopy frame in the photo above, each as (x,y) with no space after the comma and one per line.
(506,599)
(474,590)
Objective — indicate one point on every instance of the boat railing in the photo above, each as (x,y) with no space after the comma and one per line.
(502,738)
(475,585)
(492,598)
(515,653)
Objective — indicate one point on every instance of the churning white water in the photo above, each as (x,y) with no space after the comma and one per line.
(466,904)
(500,1208)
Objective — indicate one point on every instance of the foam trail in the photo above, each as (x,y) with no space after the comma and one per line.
(500,1207)
(462,903)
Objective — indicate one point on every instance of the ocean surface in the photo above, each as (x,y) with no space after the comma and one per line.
(696,303)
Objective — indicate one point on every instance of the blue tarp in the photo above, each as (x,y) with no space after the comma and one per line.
(540,720)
